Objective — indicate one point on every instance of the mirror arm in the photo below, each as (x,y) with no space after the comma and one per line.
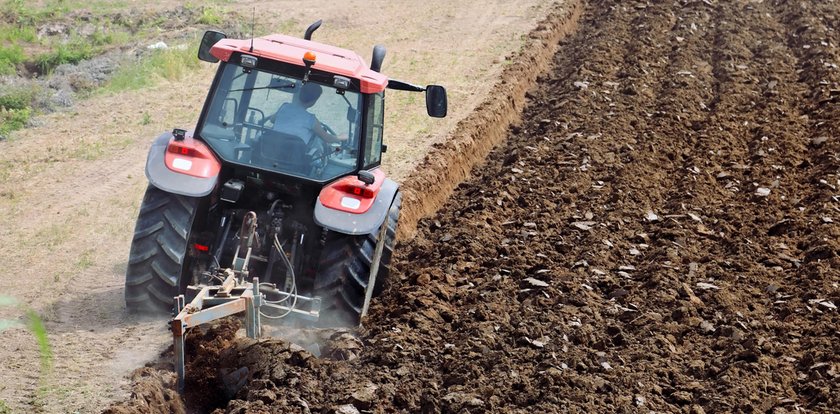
(404,86)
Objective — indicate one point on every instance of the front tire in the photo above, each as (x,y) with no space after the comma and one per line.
(344,271)
(157,251)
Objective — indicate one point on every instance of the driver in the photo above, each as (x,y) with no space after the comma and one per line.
(294,119)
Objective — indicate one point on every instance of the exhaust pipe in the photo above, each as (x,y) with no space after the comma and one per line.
(311,29)
(378,57)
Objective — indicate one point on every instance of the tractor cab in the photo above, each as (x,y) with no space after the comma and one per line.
(296,107)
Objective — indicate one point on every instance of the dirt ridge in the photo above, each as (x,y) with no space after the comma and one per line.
(451,161)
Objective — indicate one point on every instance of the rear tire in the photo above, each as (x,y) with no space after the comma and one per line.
(157,251)
(344,271)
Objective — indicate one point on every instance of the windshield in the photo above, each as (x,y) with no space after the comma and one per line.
(276,122)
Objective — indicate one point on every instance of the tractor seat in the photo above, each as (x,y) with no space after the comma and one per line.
(283,151)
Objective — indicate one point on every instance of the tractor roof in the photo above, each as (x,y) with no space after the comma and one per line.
(291,49)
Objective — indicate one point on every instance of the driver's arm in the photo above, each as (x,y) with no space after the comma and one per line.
(326,136)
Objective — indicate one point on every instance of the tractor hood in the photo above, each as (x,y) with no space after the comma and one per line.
(291,50)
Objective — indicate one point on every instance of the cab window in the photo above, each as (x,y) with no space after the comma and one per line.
(241,124)
(373,133)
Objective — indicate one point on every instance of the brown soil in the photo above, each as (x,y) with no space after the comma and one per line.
(153,386)
(153,392)
(450,162)
(660,233)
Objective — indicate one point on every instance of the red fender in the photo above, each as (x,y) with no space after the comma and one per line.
(351,195)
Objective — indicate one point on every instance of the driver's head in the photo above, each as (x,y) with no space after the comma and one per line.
(309,93)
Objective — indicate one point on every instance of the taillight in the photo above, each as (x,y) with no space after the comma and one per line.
(360,191)
(191,157)
(201,247)
(175,148)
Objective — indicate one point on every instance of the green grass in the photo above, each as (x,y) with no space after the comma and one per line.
(33,12)
(93,150)
(74,51)
(16,33)
(10,57)
(88,151)
(4,409)
(34,324)
(15,109)
(109,36)
(21,49)
(287,26)
(210,16)
(86,259)
(13,120)
(21,12)
(6,169)
(100,6)
(170,64)
(16,98)
(51,236)
(13,39)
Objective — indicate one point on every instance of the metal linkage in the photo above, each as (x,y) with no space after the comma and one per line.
(246,245)
(289,303)
(374,268)
(234,295)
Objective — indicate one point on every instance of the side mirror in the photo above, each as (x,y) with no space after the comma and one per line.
(211,37)
(436,101)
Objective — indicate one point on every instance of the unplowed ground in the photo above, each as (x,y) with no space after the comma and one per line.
(659,234)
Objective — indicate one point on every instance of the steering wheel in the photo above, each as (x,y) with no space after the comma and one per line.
(328,129)
(321,151)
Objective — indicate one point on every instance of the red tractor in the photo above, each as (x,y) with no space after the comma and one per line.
(279,180)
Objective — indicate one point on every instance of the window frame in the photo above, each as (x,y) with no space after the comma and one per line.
(369,124)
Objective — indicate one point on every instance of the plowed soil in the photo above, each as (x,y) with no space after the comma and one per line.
(658,234)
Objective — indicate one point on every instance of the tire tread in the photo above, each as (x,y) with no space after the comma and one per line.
(157,251)
(344,271)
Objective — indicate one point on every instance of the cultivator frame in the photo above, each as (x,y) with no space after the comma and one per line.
(229,298)
(234,295)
